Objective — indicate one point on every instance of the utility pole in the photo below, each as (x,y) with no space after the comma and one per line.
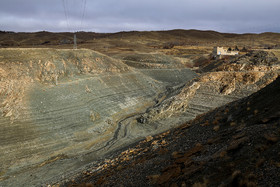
(75,42)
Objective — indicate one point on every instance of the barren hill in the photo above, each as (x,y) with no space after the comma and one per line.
(229,137)
(134,40)
(67,114)
(234,145)
(67,105)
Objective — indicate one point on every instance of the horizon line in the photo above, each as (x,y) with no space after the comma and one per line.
(127,31)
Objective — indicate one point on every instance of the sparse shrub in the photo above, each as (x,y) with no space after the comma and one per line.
(232,124)
(226,111)
(216,128)
(267,46)
(223,154)
(216,121)
(244,49)
(205,124)
(45,42)
(202,61)
(168,45)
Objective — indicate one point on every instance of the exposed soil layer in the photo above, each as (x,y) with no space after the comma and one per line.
(228,81)
(62,109)
(233,145)
(206,92)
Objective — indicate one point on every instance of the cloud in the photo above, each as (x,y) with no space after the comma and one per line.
(117,15)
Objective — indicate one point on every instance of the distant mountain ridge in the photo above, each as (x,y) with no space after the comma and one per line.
(16,39)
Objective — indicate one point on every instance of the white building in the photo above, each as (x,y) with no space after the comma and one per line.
(219,51)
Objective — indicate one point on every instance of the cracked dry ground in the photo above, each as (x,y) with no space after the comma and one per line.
(235,145)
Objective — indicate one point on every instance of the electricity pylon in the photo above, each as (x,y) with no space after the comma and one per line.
(75,42)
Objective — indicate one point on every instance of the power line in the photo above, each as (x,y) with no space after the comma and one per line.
(83,15)
(65,13)
(75,26)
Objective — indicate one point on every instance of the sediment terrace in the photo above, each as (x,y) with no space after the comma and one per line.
(223,83)
(62,109)
(234,132)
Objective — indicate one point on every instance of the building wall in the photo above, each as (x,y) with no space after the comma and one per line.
(223,51)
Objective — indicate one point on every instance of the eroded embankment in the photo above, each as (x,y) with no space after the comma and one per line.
(61,109)
(21,67)
(225,83)
(147,162)
(233,145)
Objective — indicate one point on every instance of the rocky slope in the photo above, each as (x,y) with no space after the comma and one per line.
(234,145)
(65,110)
(20,68)
(62,109)
(224,82)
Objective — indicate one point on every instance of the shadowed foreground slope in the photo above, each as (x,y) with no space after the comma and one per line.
(235,145)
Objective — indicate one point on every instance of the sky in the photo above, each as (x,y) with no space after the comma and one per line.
(236,16)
